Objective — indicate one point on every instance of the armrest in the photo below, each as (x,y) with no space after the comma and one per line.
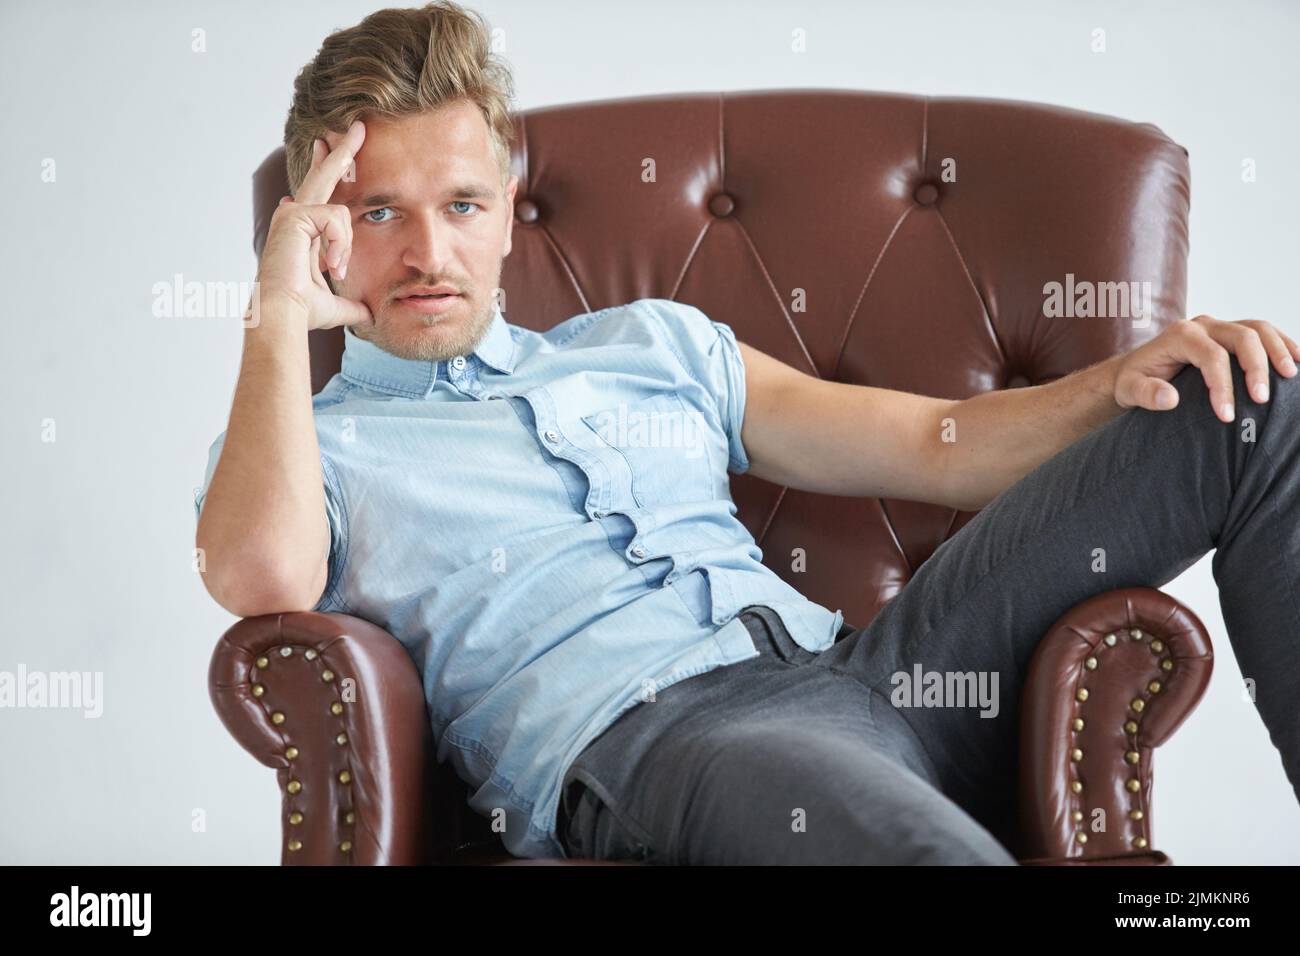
(335,705)
(1113,679)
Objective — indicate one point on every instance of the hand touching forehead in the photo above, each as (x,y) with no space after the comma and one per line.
(348,176)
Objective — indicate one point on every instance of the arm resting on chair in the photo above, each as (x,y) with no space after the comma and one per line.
(341,717)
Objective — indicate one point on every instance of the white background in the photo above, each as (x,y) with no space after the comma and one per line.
(154,146)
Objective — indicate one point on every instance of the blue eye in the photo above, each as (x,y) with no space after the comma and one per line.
(461,202)
(380,209)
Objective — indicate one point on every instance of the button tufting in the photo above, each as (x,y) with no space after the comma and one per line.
(526,211)
(722,205)
(926,194)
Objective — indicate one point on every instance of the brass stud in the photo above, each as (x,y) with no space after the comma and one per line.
(1091,663)
(1076,786)
(286,651)
(277,718)
(1166,665)
(1076,754)
(295,818)
(1081,836)
(295,846)
(351,817)
(345,777)
(263,663)
(1138,704)
(1136,634)
(258,690)
(291,753)
(1157,647)
(1077,815)
(1077,723)
(327,675)
(310,654)
(336,708)
(1132,756)
(1110,640)
(1082,693)
(341,739)
(1154,687)
(1133,786)
(294,786)
(345,846)
(1131,726)
(1135,814)
(1139,842)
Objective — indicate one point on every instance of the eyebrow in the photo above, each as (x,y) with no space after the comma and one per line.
(471,190)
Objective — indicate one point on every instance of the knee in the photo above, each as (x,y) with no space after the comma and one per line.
(1282,391)
(1277,411)
(1194,397)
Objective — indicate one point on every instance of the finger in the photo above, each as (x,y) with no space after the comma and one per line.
(1290,343)
(1216,368)
(1145,391)
(322,254)
(317,270)
(349,312)
(338,233)
(318,152)
(352,139)
(329,165)
(1276,347)
(1244,342)
(326,229)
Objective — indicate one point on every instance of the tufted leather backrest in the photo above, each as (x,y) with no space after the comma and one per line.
(896,241)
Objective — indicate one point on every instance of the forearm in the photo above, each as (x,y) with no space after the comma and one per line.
(837,438)
(996,438)
(263,527)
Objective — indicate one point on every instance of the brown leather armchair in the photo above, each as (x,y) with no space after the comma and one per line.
(895,241)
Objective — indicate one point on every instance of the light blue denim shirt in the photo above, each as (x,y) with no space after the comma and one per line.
(546,525)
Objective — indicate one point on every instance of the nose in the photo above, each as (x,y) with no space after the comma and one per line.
(429,248)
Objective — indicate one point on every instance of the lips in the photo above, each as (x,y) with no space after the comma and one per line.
(429,302)
(430,292)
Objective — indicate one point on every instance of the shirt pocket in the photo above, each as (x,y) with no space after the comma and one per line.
(665,445)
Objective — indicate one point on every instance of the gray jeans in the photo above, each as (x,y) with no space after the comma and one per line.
(796,757)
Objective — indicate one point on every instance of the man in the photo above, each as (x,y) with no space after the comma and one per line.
(543,520)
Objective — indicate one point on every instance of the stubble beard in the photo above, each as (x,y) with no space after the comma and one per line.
(419,337)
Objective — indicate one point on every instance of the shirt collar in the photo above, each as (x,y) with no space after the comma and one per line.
(367,363)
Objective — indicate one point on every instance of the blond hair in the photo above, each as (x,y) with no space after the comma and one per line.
(398,62)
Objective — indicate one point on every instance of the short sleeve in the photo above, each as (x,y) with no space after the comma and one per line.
(334,514)
(201,493)
(709,351)
(337,517)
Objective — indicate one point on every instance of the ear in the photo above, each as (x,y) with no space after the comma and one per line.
(510,212)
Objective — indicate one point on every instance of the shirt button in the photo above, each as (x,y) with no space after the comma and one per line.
(458,362)
(600,514)
(639,551)
(552,435)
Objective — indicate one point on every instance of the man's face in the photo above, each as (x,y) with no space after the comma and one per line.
(428,209)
